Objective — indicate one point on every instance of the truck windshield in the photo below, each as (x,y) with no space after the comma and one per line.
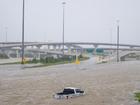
(78,91)
(68,91)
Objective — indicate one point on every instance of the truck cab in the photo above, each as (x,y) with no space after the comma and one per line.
(69,92)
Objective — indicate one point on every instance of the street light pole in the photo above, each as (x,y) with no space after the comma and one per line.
(118,32)
(22,61)
(63,33)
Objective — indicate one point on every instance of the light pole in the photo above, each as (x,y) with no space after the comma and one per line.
(118,32)
(63,32)
(23,8)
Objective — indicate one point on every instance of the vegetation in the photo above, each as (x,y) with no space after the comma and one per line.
(12,63)
(52,60)
(3,56)
(48,61)
(137,96)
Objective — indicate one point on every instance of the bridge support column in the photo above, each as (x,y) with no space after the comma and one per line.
(69,49)
(131,48)
(82,50)
(54,47)
(48,47)
(8,54)
(95,48)
(59,47)
(38,46)
(39,55)
(17,53)
(85,52)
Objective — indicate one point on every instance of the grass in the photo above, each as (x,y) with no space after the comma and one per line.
(12,63)
(137,96)
(49,64)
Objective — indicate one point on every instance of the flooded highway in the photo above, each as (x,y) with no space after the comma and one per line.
(104,84)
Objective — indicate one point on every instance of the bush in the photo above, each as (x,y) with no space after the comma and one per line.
(3,56)
(137,96)
(48,60)
(34,60)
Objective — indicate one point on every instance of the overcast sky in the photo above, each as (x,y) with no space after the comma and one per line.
(85,20)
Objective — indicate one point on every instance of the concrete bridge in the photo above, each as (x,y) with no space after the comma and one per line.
(19,44)
(126,55)
(56,47)
(69,45)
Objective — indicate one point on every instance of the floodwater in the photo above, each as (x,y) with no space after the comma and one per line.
(104,84)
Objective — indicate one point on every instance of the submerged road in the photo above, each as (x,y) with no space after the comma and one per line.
(104,84)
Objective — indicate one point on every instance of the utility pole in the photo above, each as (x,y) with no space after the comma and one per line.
(22,60)
(118,32)
(63,32)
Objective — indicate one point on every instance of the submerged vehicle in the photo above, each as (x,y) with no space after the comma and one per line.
(69,92)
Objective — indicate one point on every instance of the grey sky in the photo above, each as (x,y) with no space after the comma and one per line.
(85,20)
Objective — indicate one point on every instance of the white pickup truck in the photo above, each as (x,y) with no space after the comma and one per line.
(69,92)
